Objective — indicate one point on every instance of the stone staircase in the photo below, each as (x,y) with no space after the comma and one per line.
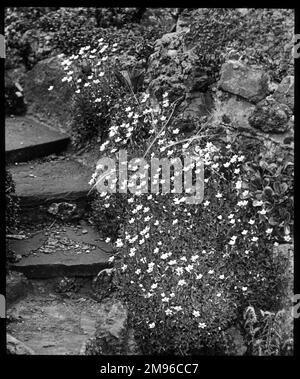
(43,175)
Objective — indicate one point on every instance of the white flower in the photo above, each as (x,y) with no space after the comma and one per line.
(219,195)
(152,325)
(251,222)
(221,276)
(262,212)
(181,282)
(211,272)
(194,257)
(201,325)
(168,312)
(206,203)
(254,239)
(175,131)
(220,217)
(50,88)
(244,232)
(244,289)
(238,185)
(175,222)
(200,276)
(269,230)
(119,243)
(196,313)
(227,164)
(131,221)
(179,270)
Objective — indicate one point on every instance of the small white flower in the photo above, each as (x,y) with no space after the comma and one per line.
(181,282)
(221,276)
(200,276)
(211,272)
(262,212)
(219,195)
(201,325)
(152,325)
(251,222)
(196,313)
(50,88)
(244,289)
(254,239)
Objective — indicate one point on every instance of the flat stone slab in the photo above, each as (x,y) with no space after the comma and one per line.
(24,247)
(42,183)
(27,139)
(62,251)
(62,263)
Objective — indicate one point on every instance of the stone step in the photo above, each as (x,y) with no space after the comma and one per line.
(42,183)
(62,263)
(27,139)
(62,251)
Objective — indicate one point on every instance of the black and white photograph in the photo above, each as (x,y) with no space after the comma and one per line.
(149,183)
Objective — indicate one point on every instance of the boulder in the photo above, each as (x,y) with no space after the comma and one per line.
(285,92)
(112,337)
(16,347)
(53,105)
(270,116)
(251,83)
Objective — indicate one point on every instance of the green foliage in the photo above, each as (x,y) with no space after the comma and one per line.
(269,333)
(188,271)
(12,203)
(260,36)
(21,35)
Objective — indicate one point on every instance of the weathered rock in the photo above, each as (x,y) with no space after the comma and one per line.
(17,287)
(284,256)
(52,105)
(285,92)
(248,82)
(112,336)
(63,211)
(236,110)
(16,347)
(270,116)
